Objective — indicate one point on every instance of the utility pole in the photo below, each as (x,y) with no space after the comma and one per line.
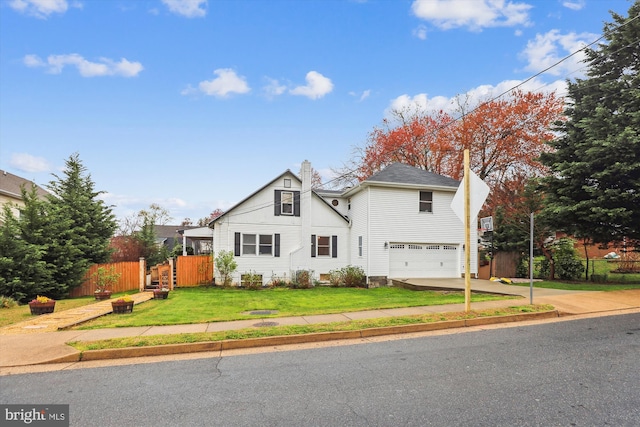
(467,233)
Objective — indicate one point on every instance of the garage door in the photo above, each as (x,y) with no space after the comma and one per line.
(407,260)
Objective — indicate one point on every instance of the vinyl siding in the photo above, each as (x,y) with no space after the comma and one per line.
(256,216)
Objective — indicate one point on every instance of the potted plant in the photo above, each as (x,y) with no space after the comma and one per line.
(42,305)
(105,279)
(162,293)
(122,305)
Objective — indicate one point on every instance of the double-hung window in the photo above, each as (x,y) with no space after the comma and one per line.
(266,244)
(426,201)
(257,244)
(324,246)
(248,244)
(286,203)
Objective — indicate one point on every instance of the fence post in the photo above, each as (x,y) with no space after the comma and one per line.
(143,274)
(171,267)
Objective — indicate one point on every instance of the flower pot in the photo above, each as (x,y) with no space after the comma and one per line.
(121,307)
(102,295)
(160,294)
(38,308)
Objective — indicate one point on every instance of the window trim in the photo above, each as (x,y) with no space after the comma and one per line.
(332,246)
(289,203)
(425,205)
(257,246)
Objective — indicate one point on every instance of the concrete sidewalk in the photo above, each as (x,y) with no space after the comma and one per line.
(26,344)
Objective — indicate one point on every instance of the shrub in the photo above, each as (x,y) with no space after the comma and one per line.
(251,280)
(278,282)
(568,264)
(335,278)
(7,302)
(353,277)
(226,265)
(350,276)
(302,279)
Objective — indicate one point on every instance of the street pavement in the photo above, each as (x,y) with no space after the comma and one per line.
(41,340)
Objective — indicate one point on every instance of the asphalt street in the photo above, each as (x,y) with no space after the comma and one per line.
(579,372)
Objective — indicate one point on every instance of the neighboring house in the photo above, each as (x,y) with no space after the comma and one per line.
(11,193)
(199,238)
(398,223)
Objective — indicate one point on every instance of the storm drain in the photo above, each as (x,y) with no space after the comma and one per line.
(265,324)
(263,312)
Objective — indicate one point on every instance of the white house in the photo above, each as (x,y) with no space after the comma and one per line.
(398,223)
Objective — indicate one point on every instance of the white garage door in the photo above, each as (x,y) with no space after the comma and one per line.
(410,260)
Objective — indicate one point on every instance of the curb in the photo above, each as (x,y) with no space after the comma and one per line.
(163,350)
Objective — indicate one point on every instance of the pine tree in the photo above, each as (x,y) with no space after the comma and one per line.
(593,192)
(23,272)
(80,225)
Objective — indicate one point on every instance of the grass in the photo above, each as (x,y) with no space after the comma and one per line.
(142,341)
(203,305)
(581,286)
(19,313)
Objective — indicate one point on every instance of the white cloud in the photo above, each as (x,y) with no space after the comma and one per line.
(473,14)
(420,32)
(549,48)
(106,66)
(28,163)
(226,83)
(39,8)
(317,86)
(421,102)
(362,96)
(574,4)
(273,88)
(187,8)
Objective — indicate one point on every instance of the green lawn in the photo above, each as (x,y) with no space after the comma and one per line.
(19,313)
(151,340)
(202,305)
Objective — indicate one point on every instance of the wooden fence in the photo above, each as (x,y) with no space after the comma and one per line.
(505,264)
(191,271)
(194,270)
(130,276)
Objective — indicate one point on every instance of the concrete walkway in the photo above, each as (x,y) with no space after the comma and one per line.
(38,341)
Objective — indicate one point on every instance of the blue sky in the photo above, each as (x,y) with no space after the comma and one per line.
(194,104)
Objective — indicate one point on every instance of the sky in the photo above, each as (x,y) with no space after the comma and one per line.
(195,104)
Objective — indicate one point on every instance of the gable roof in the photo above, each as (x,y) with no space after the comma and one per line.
(399,173)
(287,172)
(10,185)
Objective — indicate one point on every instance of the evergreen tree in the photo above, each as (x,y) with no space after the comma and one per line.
(80,225)
(23,272)
(593,192)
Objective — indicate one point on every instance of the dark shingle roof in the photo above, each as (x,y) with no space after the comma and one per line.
(399,173)
(10,185)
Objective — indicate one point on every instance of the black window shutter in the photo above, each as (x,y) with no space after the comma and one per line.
(277,203)
(276,245)
(296,203)
(236,247)
(313,246)
(334,246)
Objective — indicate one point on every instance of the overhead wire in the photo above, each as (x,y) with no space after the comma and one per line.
(347,173)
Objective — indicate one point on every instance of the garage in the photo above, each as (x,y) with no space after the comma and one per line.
(426,260)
